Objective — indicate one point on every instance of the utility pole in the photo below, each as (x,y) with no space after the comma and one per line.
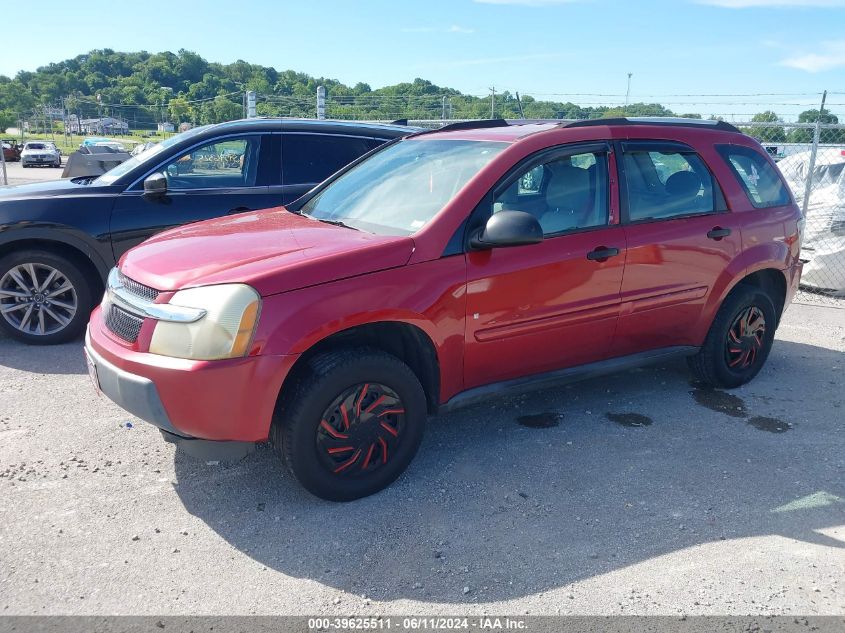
(443,107)
(808,186)
(519,104)
(492,102)
(628,91)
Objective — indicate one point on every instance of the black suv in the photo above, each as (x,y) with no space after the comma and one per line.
(59,239)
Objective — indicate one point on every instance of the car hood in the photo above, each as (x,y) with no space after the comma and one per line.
(47,189)
(272,250)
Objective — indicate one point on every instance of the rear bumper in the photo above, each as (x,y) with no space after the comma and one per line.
(793,279)
(223,400)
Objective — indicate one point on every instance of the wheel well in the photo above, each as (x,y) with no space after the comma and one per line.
(770,281)
(69,252)
(407,342)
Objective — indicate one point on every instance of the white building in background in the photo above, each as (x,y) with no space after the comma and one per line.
(102,125)
(166,126)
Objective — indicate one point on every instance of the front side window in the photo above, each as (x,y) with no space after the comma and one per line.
(666,184)
(399,189)
(759,179)
(311,158)
(564,194)
(230,162)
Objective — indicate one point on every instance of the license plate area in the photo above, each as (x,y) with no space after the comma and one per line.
(92,371)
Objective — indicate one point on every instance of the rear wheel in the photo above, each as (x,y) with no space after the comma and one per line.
(44,297)
(739,340)
(352,424)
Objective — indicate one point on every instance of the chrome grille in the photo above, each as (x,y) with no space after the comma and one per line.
(126,326)
(150,294)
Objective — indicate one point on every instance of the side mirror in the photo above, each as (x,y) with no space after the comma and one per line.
(508,228)
(155,185)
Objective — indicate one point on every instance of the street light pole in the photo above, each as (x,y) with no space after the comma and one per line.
(628,91)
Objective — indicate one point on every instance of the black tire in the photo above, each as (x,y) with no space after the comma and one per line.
(81,290)
(297,427)
(712,365)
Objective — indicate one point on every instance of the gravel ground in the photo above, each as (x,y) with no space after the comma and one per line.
(637,494)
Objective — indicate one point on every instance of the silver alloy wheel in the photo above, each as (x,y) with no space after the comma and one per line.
(37,299)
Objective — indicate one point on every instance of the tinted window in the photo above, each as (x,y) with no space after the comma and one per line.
(761,182)
(666,184)
(311,158)
(564,194)
(230,162)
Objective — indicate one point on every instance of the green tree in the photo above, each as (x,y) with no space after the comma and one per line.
(767,134)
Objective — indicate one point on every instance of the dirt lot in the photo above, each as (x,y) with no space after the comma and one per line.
(642,494)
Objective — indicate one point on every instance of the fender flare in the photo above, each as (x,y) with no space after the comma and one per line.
(67,238)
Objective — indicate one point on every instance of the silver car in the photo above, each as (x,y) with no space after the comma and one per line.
(40,153)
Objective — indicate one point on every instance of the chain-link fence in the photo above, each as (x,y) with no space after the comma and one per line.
(811,157)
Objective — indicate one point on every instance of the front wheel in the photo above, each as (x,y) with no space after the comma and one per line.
(44,297)
(739,340)
(352,424)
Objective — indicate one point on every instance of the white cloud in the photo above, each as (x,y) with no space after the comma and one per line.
(751,4)
(438,29)
(831,56)
(528,3)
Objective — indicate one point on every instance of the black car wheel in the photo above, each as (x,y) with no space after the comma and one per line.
(352,423)
(739,340)
(44,297)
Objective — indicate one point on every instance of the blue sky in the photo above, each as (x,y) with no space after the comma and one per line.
(787,50)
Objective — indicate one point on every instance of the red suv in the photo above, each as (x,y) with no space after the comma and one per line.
(446,268)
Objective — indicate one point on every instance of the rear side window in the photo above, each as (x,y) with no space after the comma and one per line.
(666,183)
(311,158)
(761,182)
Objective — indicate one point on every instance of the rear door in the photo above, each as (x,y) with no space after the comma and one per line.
(680,239)
(309,158)
(532,309)
(227,175)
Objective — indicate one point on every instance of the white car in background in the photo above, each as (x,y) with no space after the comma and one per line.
(823,248)
(40,153)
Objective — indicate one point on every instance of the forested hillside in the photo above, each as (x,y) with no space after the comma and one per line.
(145,88)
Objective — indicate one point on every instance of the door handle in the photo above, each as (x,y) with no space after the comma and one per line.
(238,210)
(602,254)
(717,233)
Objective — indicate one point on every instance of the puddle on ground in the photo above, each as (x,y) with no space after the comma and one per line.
(541,420)
(629,419)
(719,401)
(772,425)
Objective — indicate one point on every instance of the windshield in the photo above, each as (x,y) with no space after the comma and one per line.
(399,189)
(35,146)
(146,156)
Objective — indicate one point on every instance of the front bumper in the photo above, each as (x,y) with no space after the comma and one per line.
(221,400)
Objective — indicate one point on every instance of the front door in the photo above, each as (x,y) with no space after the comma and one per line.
(224,176)
(555,304)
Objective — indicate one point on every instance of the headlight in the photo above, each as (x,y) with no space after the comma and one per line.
(225,331)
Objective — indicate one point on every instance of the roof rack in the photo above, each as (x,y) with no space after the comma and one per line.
(669,121)
(467,125)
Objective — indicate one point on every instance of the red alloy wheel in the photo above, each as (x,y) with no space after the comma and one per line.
(360,430)
(745,339)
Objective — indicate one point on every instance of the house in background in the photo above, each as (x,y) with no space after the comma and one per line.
(165,126)
(102,125)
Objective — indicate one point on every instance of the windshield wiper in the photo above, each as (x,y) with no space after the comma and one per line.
(336,223)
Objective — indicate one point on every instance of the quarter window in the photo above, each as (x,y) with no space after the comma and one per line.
(666,184)
(564,194)
(311,158)
(231,162)
(762,184)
